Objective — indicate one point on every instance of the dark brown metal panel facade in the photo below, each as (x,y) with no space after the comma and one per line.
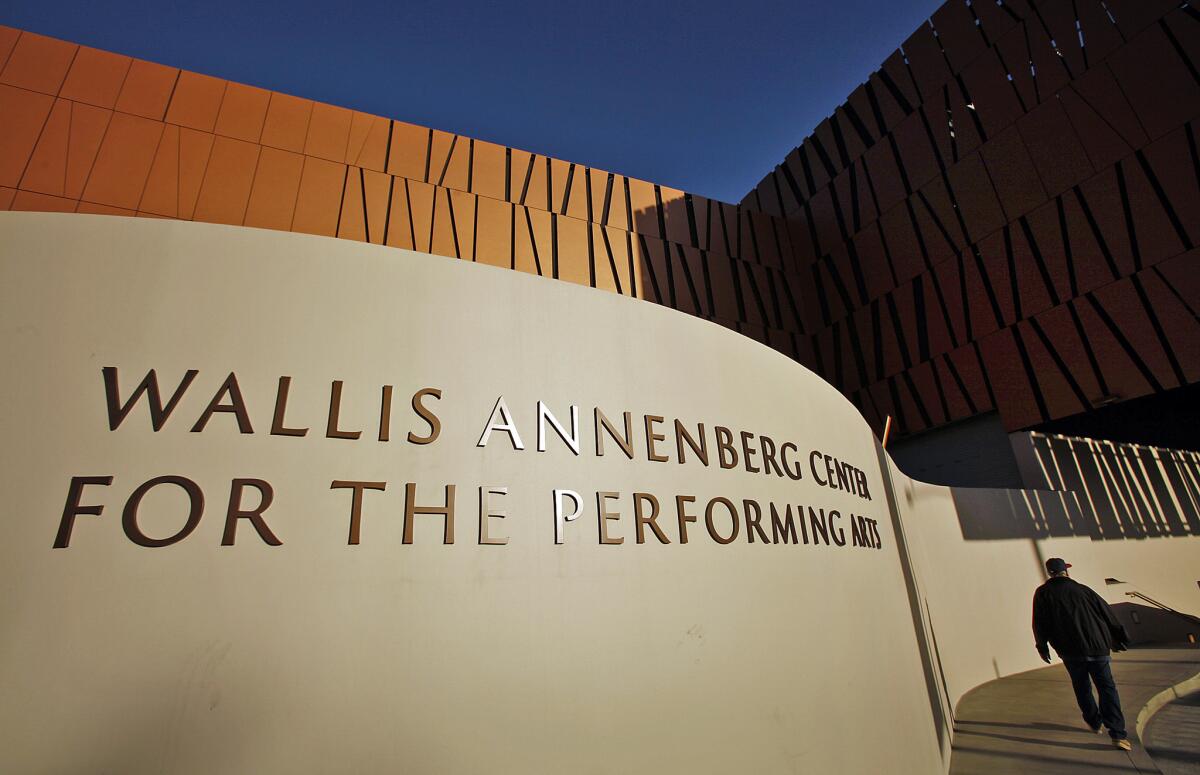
(1015,224)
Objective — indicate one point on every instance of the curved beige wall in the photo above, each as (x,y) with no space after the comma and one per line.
(978,594)
(319,656)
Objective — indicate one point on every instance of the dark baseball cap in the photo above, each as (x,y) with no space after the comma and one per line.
(1057,565)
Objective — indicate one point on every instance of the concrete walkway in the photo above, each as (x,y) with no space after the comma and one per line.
(1172,737)
(1029,723)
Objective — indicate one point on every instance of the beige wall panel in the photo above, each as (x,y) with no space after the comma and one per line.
(978,642)
(574,645)
(315,656)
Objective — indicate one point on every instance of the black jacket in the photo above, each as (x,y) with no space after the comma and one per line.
(1075,620)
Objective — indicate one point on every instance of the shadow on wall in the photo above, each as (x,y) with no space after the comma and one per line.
(1098,489)
(720,262)
(1149,625)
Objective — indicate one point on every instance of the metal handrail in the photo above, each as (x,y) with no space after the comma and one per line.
(1166,608)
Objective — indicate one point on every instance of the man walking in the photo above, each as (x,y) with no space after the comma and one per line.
(1082,629)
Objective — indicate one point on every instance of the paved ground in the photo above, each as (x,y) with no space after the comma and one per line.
(1029,724)
(1172,738)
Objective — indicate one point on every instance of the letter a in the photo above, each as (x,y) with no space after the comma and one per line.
(501,420)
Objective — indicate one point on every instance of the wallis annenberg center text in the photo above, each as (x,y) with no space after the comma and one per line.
(616,517)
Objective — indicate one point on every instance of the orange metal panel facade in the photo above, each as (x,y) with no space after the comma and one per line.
(961,234)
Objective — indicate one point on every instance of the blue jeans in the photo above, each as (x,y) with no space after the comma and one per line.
(1098,670)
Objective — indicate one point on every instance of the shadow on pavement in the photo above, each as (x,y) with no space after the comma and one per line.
(1033,725)
(1038,741)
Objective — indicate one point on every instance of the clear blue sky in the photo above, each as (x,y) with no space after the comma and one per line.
(703,96)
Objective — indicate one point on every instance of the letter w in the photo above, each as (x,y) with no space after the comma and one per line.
(158,413)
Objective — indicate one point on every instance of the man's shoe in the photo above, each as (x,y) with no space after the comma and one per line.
(1123,744)
(1097,727)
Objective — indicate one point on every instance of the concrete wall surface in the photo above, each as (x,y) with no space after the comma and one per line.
(132,649)
(334,533)
(980,555)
